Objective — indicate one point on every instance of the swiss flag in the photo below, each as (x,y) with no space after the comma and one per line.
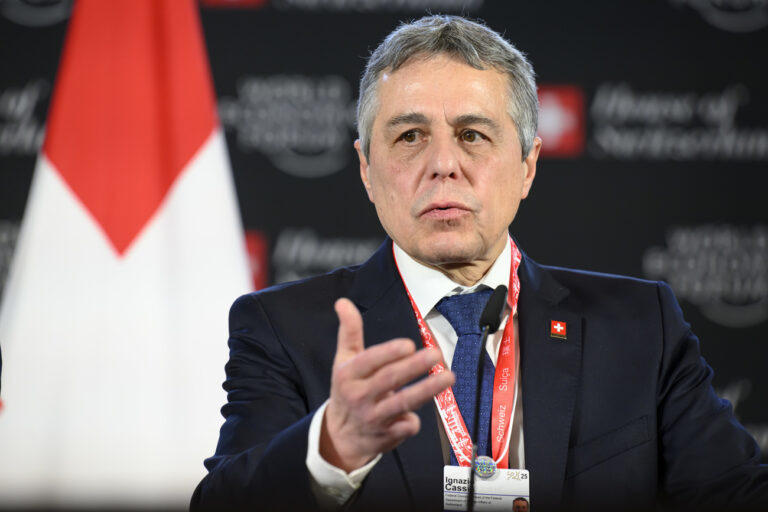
(558,329)
(113,324)
(561,120)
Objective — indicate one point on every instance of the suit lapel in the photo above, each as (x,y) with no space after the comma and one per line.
(387,314)
(550,371)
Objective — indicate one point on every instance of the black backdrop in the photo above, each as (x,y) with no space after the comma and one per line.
(654,120)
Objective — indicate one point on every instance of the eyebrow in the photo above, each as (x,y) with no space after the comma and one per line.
(462,120)
(468,119)
(407,118)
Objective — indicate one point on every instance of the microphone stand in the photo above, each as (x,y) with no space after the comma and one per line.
(489,323)
(476,420)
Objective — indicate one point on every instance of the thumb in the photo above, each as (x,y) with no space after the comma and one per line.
(350,339)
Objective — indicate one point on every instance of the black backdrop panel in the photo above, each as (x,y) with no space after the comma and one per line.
(655,159)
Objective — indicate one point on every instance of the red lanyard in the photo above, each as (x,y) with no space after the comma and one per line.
(504,385)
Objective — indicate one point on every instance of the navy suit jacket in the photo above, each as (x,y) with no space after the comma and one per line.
(621,413)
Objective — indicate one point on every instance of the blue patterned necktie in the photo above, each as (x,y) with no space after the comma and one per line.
(463,312)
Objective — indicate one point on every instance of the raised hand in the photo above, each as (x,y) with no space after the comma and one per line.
(370,411)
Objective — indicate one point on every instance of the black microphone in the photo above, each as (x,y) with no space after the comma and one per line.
(491,315)
(489,323)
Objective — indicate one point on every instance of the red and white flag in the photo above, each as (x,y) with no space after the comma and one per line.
(113,324)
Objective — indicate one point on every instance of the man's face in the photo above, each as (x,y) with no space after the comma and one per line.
(445,169)
(520,506)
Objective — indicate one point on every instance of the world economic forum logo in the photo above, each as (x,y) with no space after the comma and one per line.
(303,124)
(722,269)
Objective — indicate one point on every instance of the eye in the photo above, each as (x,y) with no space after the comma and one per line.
(409,137)
(471,136)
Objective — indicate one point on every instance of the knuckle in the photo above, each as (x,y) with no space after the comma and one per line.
(404,345)
(389,378)
(402,403)
(355,395)
(343,371)
(428,358)
(368,416)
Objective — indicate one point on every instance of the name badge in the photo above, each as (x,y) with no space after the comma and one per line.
(499,491)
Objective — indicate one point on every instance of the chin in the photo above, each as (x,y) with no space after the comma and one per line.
(448,250)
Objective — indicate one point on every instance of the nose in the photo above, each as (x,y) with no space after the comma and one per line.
(444,158)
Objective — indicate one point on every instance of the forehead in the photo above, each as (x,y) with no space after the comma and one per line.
(441,85)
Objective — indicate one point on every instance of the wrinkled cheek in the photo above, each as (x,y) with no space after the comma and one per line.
(381,212)
(393,200)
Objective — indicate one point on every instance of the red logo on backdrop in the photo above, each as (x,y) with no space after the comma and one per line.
(561,120)
(558,329)
(258,250)
(234,3)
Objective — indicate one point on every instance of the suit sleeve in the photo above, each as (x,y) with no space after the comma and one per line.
(259,462)
(708,458)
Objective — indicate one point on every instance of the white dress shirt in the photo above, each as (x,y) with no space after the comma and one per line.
(333,486)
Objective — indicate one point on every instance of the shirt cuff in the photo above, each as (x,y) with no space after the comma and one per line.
(332,486)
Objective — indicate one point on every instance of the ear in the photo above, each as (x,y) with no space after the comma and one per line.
(529,166)
(364,170)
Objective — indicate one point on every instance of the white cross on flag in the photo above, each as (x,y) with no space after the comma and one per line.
(558,329)
(113,324)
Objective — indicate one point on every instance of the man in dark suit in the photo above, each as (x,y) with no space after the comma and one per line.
(611,405)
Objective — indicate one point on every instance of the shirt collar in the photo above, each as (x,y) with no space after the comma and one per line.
(427,285)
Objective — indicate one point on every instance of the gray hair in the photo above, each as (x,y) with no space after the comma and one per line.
(472,42)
